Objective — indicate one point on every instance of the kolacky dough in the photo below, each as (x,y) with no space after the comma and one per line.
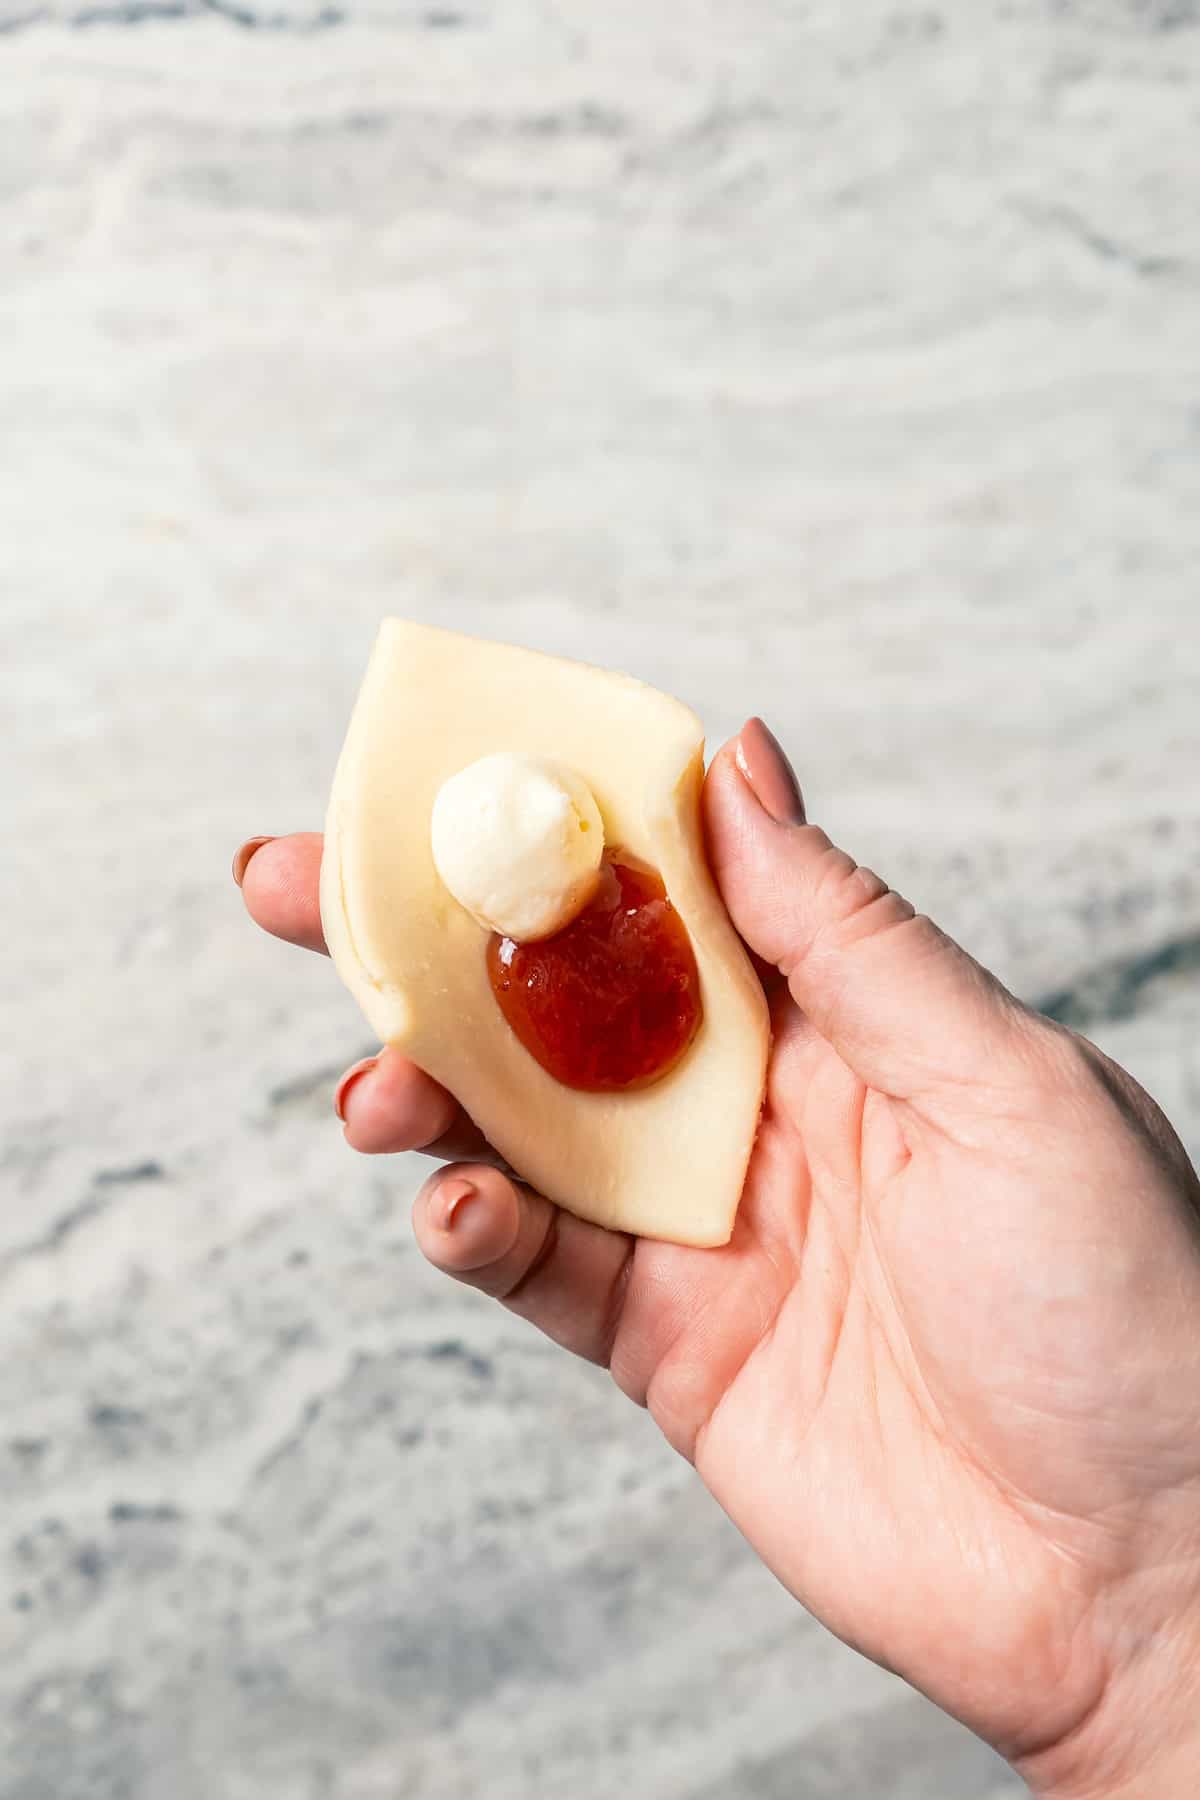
(663,1161)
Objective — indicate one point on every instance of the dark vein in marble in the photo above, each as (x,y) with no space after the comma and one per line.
(109,1415)
(314,1082)
(149,12)
(454,1350)
(28,1451)
(1153,15)
(443,1350)
(58,1231)
(249,20)
(245,18)
(137,1512)
(150,1170)
(294,1438)
(1116,990)
(90,1207)
(1074,225)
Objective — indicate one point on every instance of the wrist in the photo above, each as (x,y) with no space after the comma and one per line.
(1142,1741)
(1175,1777)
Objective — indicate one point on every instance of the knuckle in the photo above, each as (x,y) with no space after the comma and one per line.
(835,882)
(1062,1059)
(516,1283)
(853,902)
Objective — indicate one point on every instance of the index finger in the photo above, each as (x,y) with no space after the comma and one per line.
(281,886)
(396,1105)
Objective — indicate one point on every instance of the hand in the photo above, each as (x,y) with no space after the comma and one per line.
(946,1375)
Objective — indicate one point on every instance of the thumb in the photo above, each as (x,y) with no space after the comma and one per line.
(903,1005)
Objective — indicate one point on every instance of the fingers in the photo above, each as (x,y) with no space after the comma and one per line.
(280,879)
(903,1005)
(474,1222)
(565,1276)
(387,1104)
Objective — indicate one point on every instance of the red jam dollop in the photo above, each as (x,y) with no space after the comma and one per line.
(611,1001)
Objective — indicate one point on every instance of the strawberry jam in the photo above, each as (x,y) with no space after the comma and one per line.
(613,999)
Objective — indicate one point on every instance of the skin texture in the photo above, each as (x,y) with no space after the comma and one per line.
(946,1375)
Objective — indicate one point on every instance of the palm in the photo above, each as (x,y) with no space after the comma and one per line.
(894,1389)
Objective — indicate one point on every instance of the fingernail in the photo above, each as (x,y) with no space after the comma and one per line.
(451,1195)
(347,1082)
(241,859)
(768,773)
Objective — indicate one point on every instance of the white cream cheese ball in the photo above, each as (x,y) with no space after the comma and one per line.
(518,841)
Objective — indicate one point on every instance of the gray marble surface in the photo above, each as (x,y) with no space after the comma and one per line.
(838,362)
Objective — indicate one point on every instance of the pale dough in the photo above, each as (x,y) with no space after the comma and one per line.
(664,1161)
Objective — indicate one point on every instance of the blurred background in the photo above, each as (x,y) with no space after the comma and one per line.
(836,362)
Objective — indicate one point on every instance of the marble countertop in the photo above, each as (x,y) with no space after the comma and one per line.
(838,363)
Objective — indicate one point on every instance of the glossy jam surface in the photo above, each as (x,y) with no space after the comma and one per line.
(613,1000)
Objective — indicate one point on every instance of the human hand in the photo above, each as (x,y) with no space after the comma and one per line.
(945,1377)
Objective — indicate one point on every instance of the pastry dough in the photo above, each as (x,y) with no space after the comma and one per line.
(664,1161)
